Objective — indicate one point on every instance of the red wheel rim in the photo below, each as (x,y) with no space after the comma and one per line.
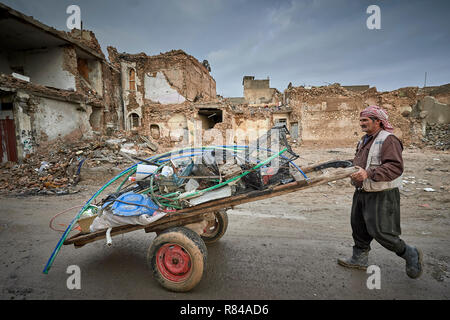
(174,262)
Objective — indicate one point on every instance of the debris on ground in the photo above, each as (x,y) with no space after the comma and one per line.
(56,168)
(437,136)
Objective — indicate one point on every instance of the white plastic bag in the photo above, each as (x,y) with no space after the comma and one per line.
(107,219)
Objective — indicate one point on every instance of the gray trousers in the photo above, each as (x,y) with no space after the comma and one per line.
(376,215)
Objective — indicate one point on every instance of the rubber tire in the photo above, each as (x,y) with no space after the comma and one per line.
(192,244)
(222,226)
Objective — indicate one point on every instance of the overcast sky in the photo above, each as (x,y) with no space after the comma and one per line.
(306,42)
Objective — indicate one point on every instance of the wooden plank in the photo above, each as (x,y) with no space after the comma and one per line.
(101,234)
(114,232)
(176,223)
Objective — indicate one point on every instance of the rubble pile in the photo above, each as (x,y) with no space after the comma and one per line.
(56,168)
(406,92)
(40,173)
(332,90)
(438,136)
(441,93)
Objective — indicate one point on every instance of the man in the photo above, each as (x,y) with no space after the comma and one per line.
(375,212)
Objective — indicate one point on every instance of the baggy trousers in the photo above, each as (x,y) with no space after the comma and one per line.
(376,215)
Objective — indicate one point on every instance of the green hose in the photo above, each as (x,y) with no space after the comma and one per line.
(126,179)
(69,228)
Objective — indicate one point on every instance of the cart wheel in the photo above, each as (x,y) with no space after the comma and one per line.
(177,258)
(216,229)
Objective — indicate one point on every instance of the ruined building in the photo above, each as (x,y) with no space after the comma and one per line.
(53,85)
(159,92)
(171,99)
(259,92)
(329,115)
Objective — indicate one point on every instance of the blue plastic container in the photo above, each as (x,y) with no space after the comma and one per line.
(134,206)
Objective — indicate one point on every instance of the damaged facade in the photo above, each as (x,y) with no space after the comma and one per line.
(175,102)
(159,93)
(53,85)
(329,115)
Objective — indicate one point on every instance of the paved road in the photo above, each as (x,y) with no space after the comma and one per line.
(284,248)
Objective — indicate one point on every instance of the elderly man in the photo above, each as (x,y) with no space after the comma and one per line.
(375,212)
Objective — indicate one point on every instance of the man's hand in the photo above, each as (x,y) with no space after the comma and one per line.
(359,176)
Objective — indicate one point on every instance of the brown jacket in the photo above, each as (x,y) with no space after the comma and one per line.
(391,159)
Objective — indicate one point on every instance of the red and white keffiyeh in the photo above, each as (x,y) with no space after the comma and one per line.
(379,113)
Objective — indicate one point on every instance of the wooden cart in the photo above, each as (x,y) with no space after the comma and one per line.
(177,256)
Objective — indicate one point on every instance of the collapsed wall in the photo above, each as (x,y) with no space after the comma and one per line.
(214,122)
(97,78)
(325,114)
(169,78)
(53,85)
(329,115)
(186,124)
(432,114)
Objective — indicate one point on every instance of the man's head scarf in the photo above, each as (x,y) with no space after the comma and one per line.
(379,113)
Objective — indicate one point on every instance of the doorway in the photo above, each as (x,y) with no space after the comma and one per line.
(8,146)
(210,117)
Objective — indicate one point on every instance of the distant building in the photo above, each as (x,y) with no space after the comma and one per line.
(259,91)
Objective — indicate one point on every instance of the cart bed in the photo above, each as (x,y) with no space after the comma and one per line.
(195,213)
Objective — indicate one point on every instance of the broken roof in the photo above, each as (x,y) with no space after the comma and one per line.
(21,32)
(177,55)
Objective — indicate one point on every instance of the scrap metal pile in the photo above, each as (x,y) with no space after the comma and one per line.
(184,178)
